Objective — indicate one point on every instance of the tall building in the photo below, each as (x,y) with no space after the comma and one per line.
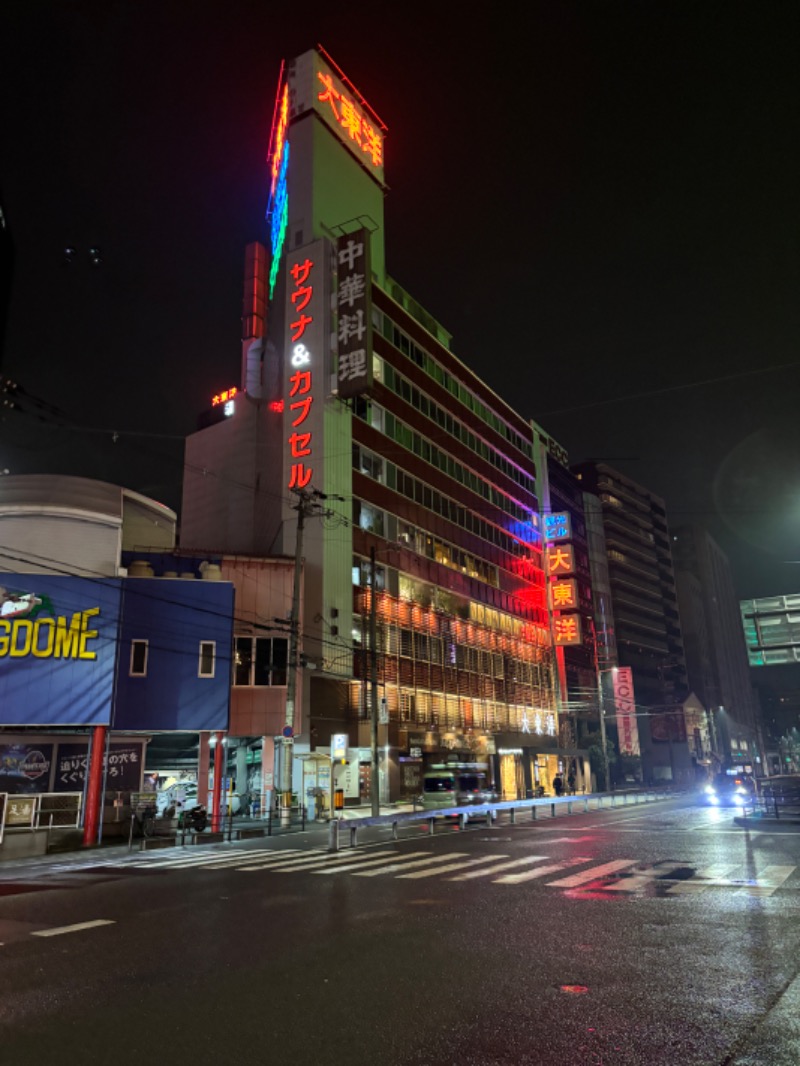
(423,582)
(646,622)
(716,657)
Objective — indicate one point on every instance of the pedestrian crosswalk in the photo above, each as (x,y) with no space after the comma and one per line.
(576,875)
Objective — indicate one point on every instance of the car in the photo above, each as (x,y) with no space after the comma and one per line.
(729,790)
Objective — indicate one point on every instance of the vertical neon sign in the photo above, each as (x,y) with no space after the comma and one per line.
(300,396)
(278,203)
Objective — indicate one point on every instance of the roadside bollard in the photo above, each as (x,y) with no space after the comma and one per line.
(394,830)
(513,813)
(464,820)
(353,836)
(333,835)
(431,822)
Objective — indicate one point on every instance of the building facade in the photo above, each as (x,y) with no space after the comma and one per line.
(716,656)
(415,485)
(646,622)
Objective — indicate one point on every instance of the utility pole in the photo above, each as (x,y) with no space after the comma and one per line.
(601,708)
(305,502)
(374,788)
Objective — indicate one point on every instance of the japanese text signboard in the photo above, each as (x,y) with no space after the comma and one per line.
(557,526)
(353,302)
(626,711)
(315,86)
(305,377)
(123,772)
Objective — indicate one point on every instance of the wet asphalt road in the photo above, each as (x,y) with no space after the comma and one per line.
(673,941)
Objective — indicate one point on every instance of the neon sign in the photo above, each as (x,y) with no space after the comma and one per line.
(225,400)
(300,381)
(278,202)
(351,120)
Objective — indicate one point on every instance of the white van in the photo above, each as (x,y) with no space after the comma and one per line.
(457,786)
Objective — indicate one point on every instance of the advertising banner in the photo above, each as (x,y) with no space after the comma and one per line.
(124,773)
(25,768)
(58,641)
(625,704)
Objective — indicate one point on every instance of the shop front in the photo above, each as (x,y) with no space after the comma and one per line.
(526,767)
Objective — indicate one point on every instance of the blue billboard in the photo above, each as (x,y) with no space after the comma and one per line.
(58,647)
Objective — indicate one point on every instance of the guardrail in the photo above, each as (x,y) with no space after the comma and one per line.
(489,811)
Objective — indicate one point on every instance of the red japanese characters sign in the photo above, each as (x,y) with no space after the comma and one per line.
(625,704)
(224,397)
(300,397)
(567,629)
(315,84)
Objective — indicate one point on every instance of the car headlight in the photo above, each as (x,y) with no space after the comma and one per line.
(738,800)
(713,799)
(710,790)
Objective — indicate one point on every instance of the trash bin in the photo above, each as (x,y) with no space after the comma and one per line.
(338,799)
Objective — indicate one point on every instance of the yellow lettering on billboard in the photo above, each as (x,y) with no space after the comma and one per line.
(67,644)
(25,627)
(49,625)
(5,627)
(88,634)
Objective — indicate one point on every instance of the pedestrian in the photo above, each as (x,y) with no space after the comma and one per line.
(558,784)
(571,782)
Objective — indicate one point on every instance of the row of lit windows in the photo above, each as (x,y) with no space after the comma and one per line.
(526,521)
(417,491)
(426,406)
(441,651)
(442,609)
(450,711)
(435,370)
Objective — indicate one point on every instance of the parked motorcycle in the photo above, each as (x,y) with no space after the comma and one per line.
(195,817)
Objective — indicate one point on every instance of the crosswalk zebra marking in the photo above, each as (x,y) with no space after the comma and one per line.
(539,871)
(593,874)
(498,868)
(395,865)
(446,869)
(369,862)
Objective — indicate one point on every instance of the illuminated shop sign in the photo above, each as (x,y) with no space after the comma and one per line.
(225,401)
(567,629)
(564,595)
(560,560)
(353,302)
(315,84)
(278,201)
(300,372)
(625,705)
(558,526)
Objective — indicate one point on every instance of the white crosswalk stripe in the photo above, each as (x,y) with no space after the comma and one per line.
(499,867)
(366,861)
(593,874)
(538,872)
(311,862)
(394,865)
(447,868)
(703,879)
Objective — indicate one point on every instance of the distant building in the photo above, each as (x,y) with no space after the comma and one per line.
(647,628)
(716,657)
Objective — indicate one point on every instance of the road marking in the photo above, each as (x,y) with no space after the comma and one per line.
(639,882)
(703,879)
(569,840)
(311,862)
(243,858)
(405,866)
(540,871)
(369,862)
(591,875)
(448,868)
(73,928)
(771,879)
(499,867)
(177,860)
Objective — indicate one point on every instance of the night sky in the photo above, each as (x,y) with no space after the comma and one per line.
(600,203)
